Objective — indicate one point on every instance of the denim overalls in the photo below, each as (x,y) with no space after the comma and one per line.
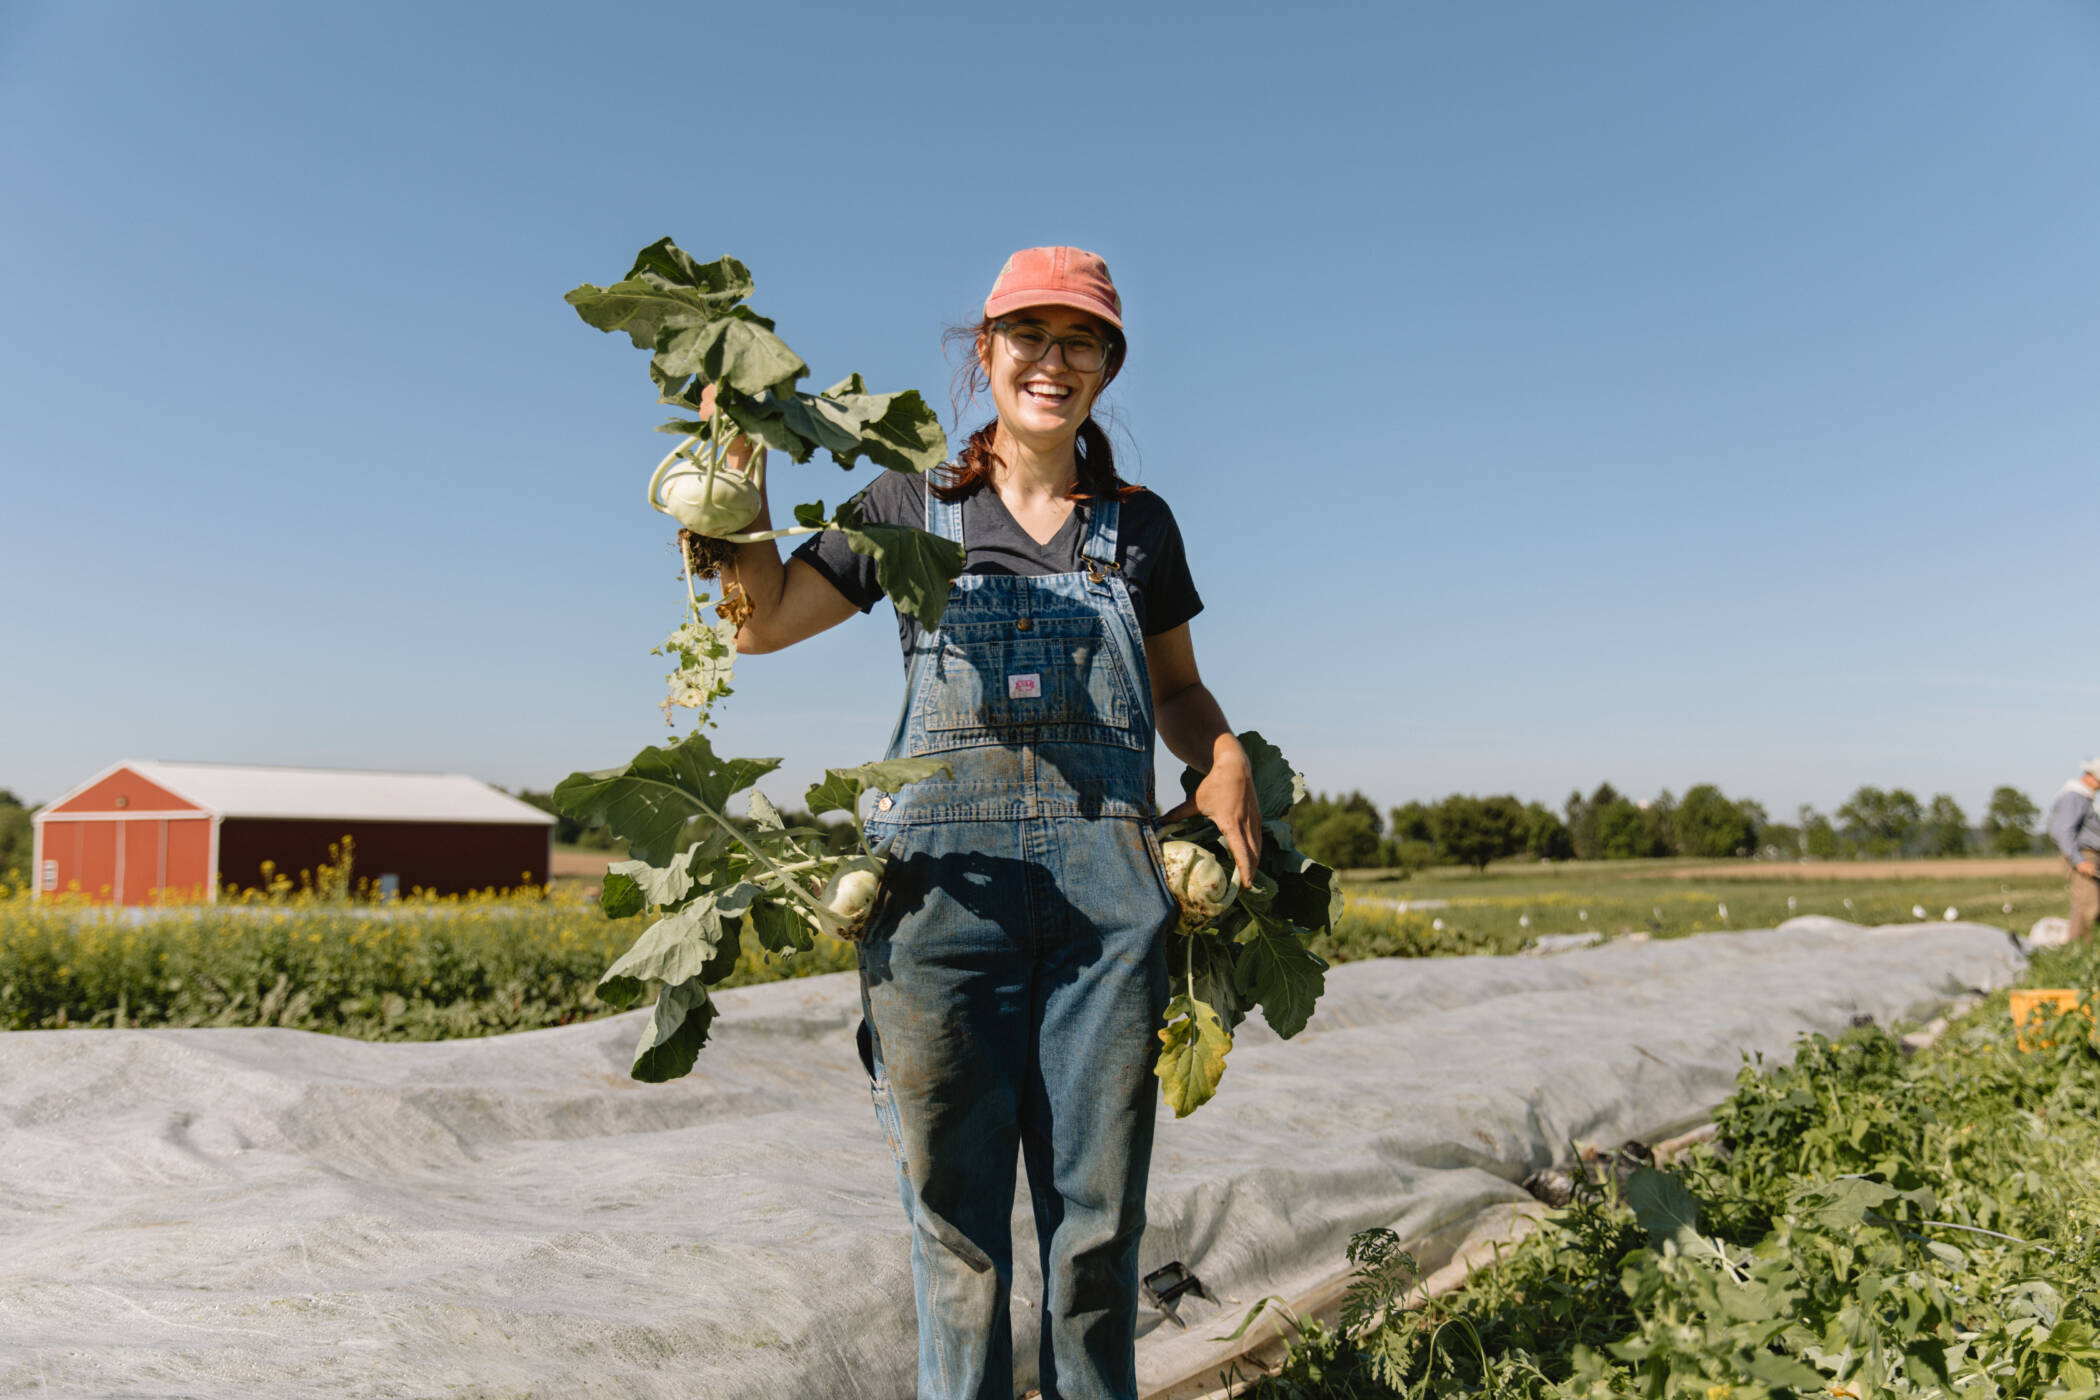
(1014,974)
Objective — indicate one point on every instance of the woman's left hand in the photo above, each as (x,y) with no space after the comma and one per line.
(1226,796)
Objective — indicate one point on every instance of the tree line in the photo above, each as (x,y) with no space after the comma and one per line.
(1348,832)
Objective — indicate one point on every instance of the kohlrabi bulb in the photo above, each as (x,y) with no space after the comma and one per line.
(851,896)
(714,504)
(1199,882)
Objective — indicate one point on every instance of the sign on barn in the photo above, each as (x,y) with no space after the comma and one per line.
(147,832)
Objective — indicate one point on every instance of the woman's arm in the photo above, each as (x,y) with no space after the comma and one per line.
(1193,727)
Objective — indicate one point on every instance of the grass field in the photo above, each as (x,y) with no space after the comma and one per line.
(1449,910)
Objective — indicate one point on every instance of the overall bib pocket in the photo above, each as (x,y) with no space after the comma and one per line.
(1000,676)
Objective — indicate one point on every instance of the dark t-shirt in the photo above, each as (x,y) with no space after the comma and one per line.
(1155,567)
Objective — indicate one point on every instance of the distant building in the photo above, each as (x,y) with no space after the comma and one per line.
(143,832)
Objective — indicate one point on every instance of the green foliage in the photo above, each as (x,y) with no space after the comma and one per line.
(701,336)
(1257,955)
(17,840)
(1866,1225)
(2008,825)
(413,970)
(1475,830)
(1546,836)
(1711,826)
(712,879)
(1341,833)
(1945,829)
(1880,823)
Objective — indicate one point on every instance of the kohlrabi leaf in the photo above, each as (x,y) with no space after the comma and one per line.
(1208,960)
(677,1029)
(781,927)
(1277,970)
(1193,1044)
(761,811)
(650,800)
(912,567)
(620,896)
(663,286)
(735,350)
(897,431)
(810,514)
(674,949)
(842,787)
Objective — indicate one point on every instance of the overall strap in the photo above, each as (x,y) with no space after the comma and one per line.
(943,518)
(1098,549)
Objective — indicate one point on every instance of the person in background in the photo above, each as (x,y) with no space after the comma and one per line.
(2074,824)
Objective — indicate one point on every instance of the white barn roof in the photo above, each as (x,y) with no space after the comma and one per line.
(338,794)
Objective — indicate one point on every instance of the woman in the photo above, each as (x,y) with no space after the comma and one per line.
(1013,976)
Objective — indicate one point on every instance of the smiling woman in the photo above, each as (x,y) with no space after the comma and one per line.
(1013,973)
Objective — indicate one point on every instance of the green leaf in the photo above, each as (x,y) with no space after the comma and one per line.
(672,1039)
(1278,971)
(914,568)
(727,950)
(1662,1204)
(842,787)
(620,896)
(1193,1043)
(780,926)
(664,286)
(650,800)
(1845,1202)
(761,812)
(674,949)
(1209,960)
(1784,1371)
(897,431)
(810,514)
(735,350)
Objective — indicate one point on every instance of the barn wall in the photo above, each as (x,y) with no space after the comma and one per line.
(157,860)
(125,790)
(447,857)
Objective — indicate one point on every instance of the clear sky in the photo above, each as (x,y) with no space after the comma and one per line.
(1549,393)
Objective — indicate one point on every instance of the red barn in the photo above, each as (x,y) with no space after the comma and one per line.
(147,832)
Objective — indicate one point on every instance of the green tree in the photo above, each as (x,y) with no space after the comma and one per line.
(1712,827)
(2008,825)
(1945,828)
(1345,839)
(17,840)
(1621,831)
(1473,831)
(1589,818)
(1819,839)
(1881,823)
(1545,834)
(1416,821)
(1659,825)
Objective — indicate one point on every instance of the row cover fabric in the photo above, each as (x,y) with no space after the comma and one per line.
(277,1213)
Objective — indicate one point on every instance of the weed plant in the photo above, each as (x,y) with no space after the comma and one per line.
(1865,1225)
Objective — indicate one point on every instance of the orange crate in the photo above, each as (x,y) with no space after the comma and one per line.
(2037,1004)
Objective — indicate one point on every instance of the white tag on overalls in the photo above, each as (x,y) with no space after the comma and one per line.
(1028,687)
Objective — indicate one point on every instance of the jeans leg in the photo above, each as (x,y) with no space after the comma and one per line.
(945,989)
(1090,1107)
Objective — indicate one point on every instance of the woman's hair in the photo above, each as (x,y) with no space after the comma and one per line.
(973,465)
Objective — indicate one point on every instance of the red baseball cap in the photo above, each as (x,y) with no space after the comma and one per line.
(1055,277)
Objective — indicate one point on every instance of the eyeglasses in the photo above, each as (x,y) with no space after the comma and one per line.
(1083,353)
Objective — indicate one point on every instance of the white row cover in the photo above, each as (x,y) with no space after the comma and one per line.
(273,1213)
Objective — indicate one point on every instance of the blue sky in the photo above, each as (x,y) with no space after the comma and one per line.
(1658,393)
